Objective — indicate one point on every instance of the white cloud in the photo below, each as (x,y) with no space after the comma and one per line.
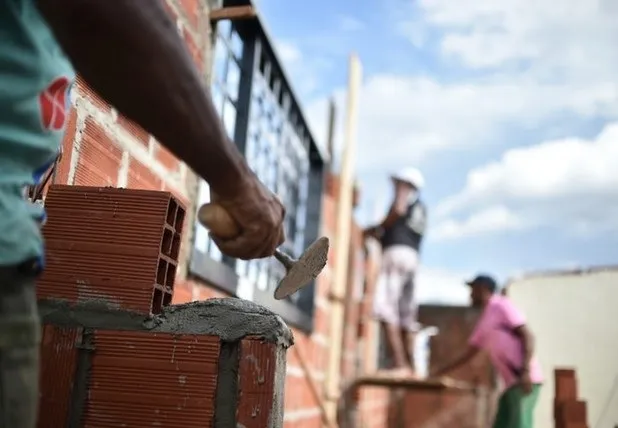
(544,62)
(493,219)
(437,286)
(402,119)
(570,183)
(575,38)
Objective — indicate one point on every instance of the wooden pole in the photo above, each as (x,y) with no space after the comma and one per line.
(330,137)
(342,238)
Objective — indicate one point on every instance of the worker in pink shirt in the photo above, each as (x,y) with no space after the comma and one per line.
(501,331)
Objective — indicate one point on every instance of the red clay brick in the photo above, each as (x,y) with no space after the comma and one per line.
(99,158)
(565,385)
(135,130)
(109,244)
(168,160)
(191,9)
(152,379)
(58,364)
(259,362)
(62,171)
(141,177)
(194,49)
(570,411)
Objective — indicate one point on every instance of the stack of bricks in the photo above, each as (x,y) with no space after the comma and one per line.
(115,352)
(569,411)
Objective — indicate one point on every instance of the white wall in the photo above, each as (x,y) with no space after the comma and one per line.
(575,321)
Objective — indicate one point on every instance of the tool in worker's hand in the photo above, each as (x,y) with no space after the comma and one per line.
(298,272)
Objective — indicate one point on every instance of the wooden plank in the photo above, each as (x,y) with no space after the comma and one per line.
(342,242)
(387,380)
(232,13)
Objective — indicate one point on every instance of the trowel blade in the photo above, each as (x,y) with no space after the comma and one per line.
(306,269)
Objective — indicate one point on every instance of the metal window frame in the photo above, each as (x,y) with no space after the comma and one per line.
(222,275)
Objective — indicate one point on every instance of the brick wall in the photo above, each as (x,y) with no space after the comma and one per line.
(302,410)
(455,324)
(103,148)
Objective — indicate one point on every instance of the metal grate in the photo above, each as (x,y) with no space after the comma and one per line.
(262,117)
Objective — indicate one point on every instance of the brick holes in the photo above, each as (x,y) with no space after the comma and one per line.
(180,220)
(167,299)
(166,242)
(157,301)
(164,288)
(171,213)
(170,276)
(170,244)
(176,241)
(161,271)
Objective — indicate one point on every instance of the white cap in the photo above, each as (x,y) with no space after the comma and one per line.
(411,176)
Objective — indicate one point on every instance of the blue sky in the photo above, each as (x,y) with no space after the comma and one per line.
(508,107)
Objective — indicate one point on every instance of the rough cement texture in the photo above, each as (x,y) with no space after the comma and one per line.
(229,318)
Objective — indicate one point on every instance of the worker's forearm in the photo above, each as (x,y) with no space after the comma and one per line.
(528,349)
(391,217)
(131,54)
(455,364)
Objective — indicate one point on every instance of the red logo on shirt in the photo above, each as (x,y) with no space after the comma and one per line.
(53,102)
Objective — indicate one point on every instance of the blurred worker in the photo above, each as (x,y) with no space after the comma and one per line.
(130,52)
(400,234)
(502,332)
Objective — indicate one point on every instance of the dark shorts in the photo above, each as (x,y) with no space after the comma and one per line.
(20,333)
(515,409)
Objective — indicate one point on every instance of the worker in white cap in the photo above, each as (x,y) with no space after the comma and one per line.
(400,234)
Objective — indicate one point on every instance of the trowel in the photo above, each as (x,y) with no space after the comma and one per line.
(298,272)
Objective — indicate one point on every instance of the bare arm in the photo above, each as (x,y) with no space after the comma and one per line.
(469,353)
(131,54)
(527,340)
(397,209)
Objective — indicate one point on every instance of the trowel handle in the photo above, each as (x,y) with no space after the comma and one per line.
(215,218)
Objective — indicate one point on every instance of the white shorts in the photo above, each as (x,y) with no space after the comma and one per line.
(394,301)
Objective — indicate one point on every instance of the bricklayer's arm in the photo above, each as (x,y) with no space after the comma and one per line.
(132,55)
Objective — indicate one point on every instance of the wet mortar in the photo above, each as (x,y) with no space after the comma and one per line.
(230,318)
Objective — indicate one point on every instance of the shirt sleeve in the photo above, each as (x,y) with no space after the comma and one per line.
(512,316)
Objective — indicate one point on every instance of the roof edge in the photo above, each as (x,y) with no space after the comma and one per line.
(580,271)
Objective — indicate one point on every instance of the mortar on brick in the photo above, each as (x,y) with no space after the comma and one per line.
(229,318)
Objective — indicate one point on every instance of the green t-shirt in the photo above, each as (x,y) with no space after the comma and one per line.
(35,79)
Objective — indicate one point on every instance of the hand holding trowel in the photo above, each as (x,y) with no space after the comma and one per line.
(298,272)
